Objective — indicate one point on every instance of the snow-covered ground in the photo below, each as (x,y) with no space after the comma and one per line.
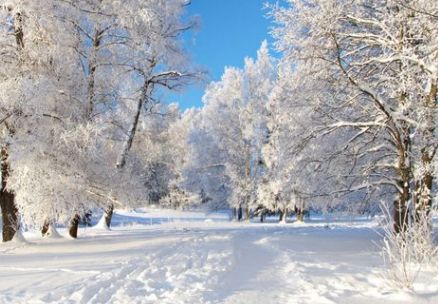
(187,257)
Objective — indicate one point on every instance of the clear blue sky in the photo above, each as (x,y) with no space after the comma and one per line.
(229,31)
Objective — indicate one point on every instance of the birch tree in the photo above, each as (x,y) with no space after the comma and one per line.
(153,58)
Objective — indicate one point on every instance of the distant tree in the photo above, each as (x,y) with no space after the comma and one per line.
(234,115)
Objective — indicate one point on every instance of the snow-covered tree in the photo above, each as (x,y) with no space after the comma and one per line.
(234,114)
(205,172)
(153,59)
(161,145)
(287,153)
(75,79)
(39,93)
(374,60)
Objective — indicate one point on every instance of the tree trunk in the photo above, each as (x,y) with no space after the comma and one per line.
(7,201)
(281,216)
(423,196)
(401,212)
(233,214)
(262,218)
(423,191)
(239,213)
(121,161)
(45,228)
(299,208)
(300,214)
(109,215)
(9,215)
(49,230)
(74,225)
(7,198)
(247,214)
(92,67)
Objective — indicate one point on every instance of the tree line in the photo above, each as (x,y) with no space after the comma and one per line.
(344,117)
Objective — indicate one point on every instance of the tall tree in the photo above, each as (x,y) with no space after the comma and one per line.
(234,115)
(16,26)
(361,50)
(153,58)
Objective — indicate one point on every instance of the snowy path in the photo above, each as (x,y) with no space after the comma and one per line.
(201,263)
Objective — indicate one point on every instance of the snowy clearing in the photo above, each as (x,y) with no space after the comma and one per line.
(194,259)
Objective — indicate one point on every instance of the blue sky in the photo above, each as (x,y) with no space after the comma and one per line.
(230,30)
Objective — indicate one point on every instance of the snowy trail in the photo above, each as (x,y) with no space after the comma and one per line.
(200,263)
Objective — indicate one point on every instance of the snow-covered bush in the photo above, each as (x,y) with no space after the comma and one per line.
(178,198)
(408,252)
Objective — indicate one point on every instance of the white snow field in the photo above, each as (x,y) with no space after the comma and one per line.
(186,257)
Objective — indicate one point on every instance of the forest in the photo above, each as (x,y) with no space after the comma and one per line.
(338,115)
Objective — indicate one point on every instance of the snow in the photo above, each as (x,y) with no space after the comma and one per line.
(190,257)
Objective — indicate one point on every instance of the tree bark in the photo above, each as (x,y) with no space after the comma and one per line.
(401,212)
(9,215)
(299,207)
(74,225)
(262,218)
(121,161)
(299,214)
(109,215)
(92,67)
(247,214)
(7,198)
(423,195)
(234,214)
(7,201)
(239,213)
(45,228)
(423,191)
(403,144)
